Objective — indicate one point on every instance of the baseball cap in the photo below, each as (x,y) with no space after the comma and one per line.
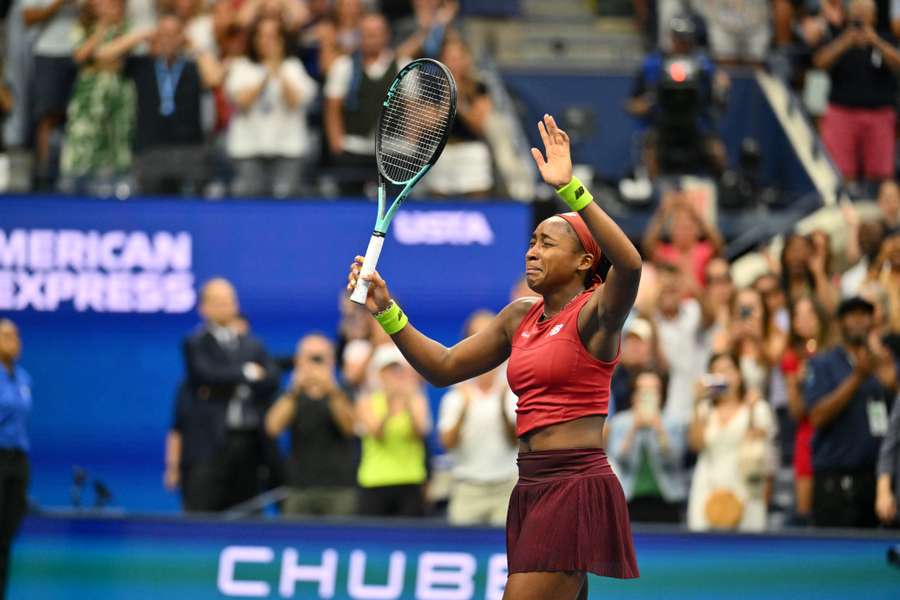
(641,328)
(854,304)
(387,355)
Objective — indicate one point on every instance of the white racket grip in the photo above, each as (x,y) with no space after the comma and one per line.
(376,242)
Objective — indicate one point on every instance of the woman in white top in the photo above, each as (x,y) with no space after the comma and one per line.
(478,428)
(731,432)
(268,135)
(466,167)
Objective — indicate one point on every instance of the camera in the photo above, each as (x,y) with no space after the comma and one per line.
(715,384)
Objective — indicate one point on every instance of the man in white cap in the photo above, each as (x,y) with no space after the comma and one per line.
(394,420)
(640,352)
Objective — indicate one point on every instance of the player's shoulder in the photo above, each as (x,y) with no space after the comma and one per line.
(523,304)
(516,310)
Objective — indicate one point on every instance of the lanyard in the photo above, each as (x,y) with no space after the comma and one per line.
(166,82)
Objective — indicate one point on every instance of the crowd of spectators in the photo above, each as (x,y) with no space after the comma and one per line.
(841,55)
(249,98)
(720,388)
(795,372)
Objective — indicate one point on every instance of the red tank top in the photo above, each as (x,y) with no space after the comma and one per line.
(552,373)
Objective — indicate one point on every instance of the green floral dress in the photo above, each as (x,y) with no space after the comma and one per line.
(100,120)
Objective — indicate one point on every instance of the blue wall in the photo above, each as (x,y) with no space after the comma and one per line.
(610,145)
(105,381)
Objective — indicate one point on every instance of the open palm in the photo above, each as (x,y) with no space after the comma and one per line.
(556,168)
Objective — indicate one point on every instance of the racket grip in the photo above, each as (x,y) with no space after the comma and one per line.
(368,267)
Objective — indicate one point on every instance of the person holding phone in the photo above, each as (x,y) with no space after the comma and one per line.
(646,451)
(750,336)
(858,126)
(731,432)
(321,466)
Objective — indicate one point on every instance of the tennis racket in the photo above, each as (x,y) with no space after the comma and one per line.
(412,129)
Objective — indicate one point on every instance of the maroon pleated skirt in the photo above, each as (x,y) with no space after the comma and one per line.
(568,513)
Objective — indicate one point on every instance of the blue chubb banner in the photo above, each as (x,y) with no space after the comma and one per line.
(104,292)
(141,559)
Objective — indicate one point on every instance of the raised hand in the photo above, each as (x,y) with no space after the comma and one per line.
(447,12)
(556,168)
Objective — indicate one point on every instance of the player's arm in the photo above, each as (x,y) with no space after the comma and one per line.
(443,366)
(613,300)
(440,365)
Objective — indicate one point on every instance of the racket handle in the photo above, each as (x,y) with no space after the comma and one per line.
(368,267)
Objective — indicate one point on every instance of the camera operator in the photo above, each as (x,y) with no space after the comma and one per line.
(321,467)
(675,96)
(858,127)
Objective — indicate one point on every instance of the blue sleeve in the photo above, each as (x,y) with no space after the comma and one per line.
(648,75)
(433,41)
(677,445)
(618,430)
(819,382)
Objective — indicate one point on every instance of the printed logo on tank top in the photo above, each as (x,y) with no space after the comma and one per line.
(525,334)
(556,329)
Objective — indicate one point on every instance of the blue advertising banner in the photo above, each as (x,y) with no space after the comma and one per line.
(104,292)
(136,559)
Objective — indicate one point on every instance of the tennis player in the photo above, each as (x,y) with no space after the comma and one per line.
(567,514)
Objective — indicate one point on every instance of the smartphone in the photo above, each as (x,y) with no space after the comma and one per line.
(715,384)
(647,403)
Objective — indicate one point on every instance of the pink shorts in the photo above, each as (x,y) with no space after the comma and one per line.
(860,141)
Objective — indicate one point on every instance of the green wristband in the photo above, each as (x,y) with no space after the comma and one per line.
(392,319)
(575,194)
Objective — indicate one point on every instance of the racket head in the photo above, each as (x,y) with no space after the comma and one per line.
(415,120)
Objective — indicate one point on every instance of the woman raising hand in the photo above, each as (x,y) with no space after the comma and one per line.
(567,514)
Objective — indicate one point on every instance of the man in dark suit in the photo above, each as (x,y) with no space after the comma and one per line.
(231,381)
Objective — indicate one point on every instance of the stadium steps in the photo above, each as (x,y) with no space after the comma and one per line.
(803,137)
(821,170)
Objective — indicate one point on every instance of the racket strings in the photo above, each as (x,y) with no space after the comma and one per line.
(414,131)
(415,122)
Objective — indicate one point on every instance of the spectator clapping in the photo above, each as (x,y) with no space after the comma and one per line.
(268,135)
